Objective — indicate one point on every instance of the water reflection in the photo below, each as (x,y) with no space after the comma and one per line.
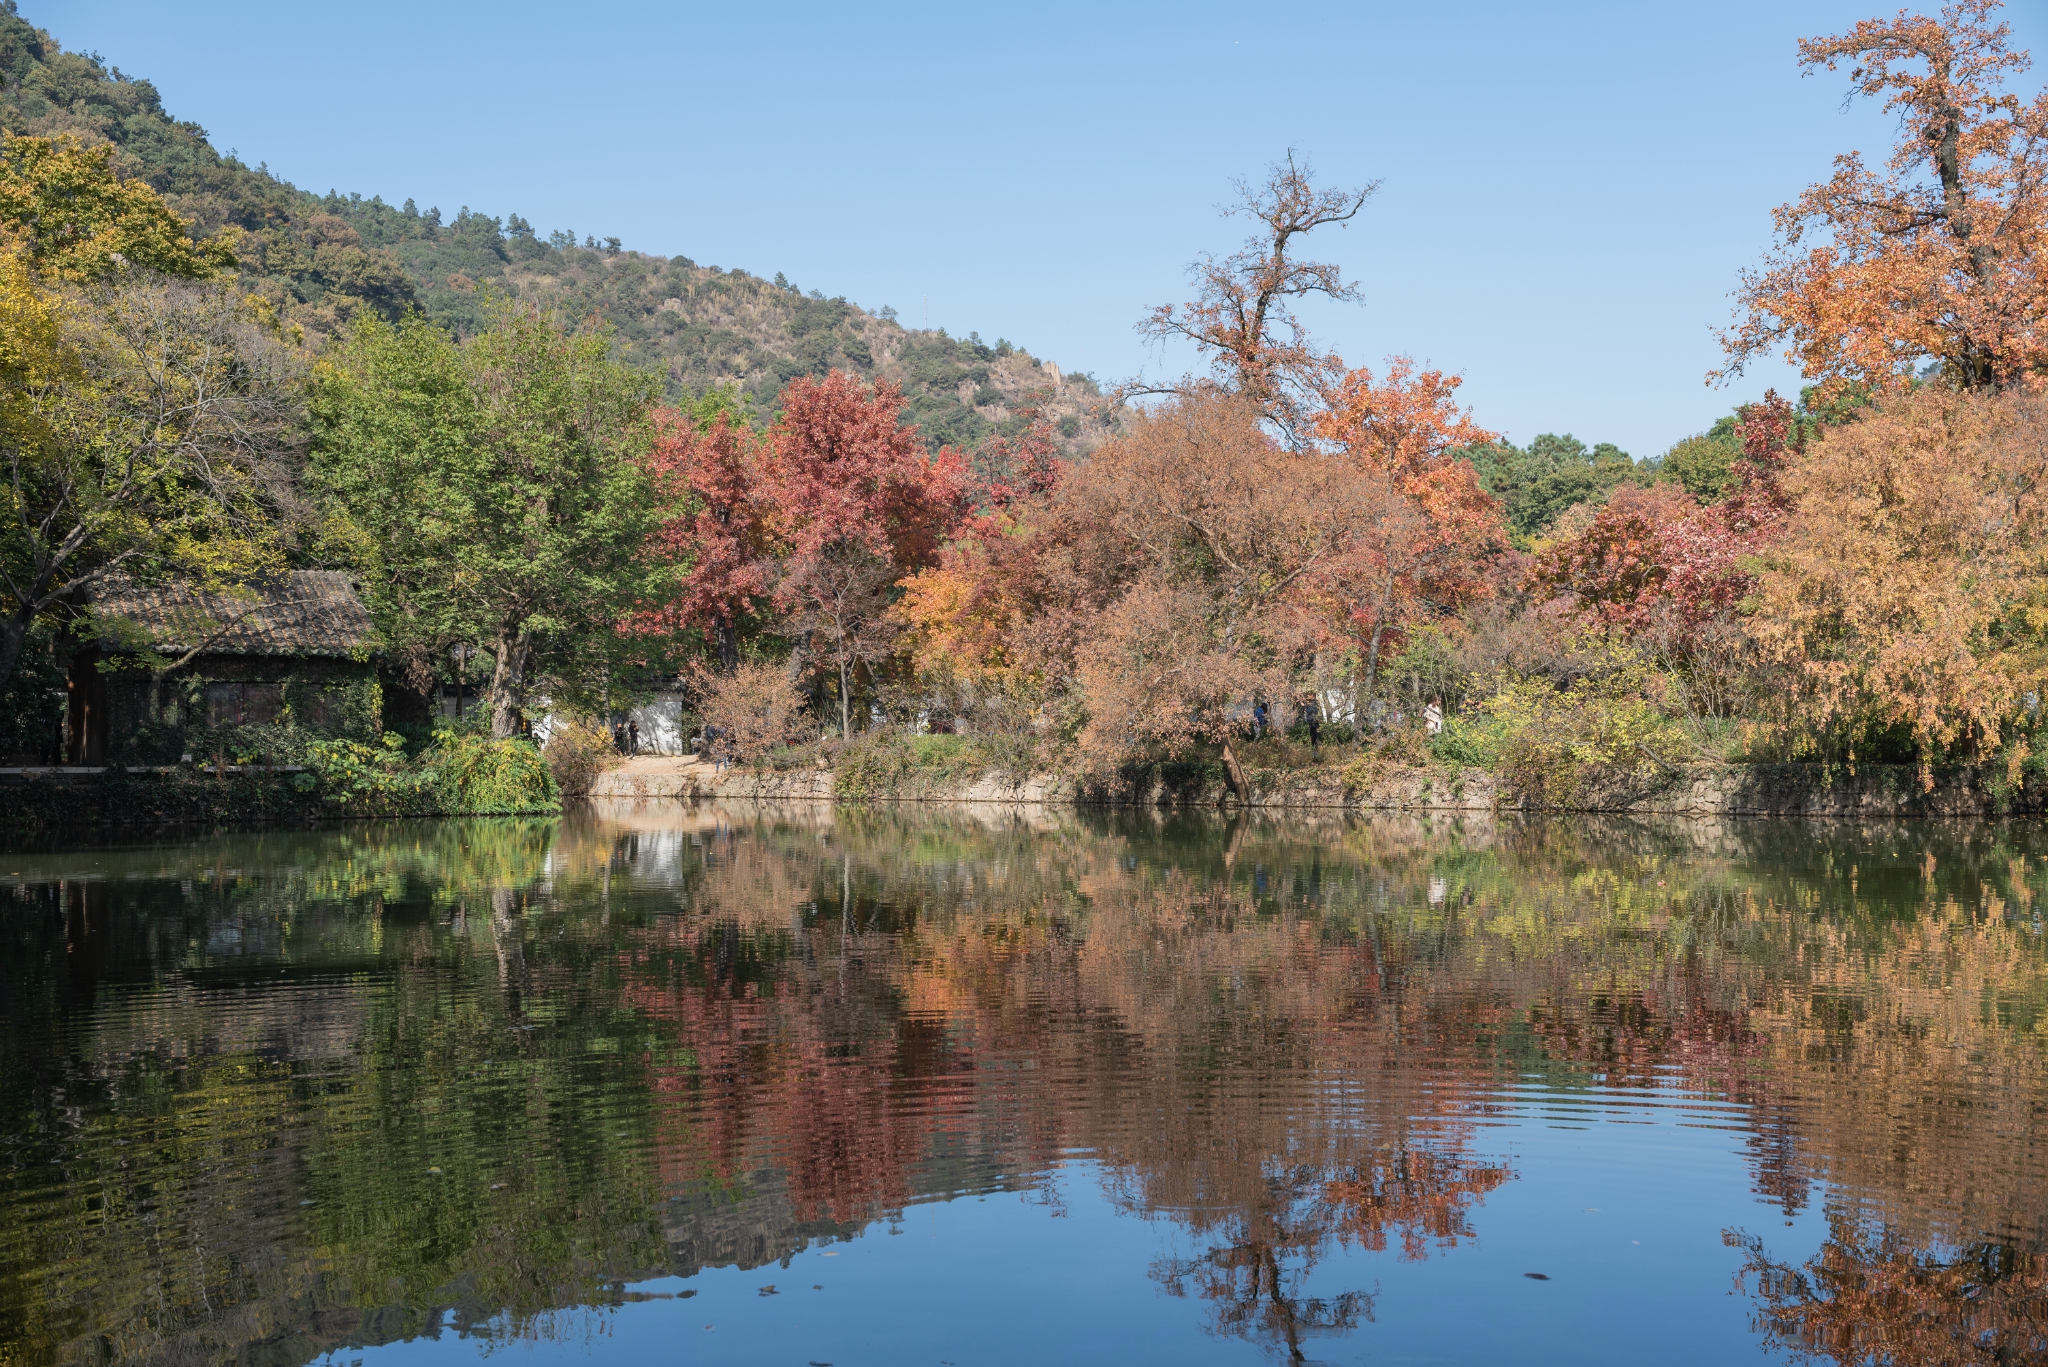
(263,1097)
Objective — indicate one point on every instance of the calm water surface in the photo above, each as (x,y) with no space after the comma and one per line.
(969,1087)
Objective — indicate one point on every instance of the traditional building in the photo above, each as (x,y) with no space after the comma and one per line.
(252,675)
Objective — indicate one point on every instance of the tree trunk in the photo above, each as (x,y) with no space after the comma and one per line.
(728,649)
(508,684)
(13,637)
(844,733)
(1372,663)
(1235,775)
(1372,654)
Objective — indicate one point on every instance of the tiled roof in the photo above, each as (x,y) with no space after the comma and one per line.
(307,613)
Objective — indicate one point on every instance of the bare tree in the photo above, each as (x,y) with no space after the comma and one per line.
(1242,318)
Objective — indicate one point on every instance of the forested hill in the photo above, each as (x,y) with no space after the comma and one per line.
(320,259)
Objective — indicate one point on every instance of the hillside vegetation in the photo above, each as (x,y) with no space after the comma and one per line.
(321,259)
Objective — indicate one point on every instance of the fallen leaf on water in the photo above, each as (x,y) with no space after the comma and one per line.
(1537,1276)
(769,1290)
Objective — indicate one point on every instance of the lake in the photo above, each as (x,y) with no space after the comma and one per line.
(964,1086)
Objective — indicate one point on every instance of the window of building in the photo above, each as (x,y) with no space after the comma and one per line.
(243,704)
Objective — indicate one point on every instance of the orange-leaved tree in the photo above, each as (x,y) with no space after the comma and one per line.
(1935,255)
(1407,430)
(1233,558)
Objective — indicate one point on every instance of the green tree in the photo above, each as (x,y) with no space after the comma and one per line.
(488,489)
(1538,483)
(1704,464)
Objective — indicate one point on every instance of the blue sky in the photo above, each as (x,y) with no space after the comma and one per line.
(1568,191)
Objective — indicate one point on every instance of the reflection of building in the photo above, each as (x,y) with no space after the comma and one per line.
(174,671)
(743,1222)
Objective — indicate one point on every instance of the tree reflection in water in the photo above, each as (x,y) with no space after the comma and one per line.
(511,1066)
(1873,1297)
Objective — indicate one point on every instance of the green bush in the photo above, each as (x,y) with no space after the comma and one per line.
(1467,742)
(475,775)
(1612,723)
(457,775)
(369,780)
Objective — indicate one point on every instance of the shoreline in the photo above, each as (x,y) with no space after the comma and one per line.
(44,803)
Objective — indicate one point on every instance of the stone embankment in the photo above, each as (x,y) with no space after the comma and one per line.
(1704,790)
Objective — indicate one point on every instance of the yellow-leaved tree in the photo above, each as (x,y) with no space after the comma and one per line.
(75,219)
(1908,599)
(146,409)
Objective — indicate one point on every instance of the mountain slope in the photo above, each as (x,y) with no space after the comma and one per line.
(321,259)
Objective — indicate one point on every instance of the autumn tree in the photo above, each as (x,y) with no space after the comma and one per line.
(145,418)
(858,504)
(1242,319)
(1428,561)
(1405,424)
(1908,595)
(147,428)
(1231,559)
(75,219)
(708,468)
(1673,574)
(1938,253)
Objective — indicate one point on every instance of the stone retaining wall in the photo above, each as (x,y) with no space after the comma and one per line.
(1773,789)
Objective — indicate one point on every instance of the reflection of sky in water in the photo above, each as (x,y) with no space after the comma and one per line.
(1019,1090)
(1624,1219)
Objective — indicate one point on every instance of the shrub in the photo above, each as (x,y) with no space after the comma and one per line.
(576,754)
(1359,775)
(1555,743)
(885,763)
(1467,743)
(457,775)
(475,774)
(368,779)
(750,711)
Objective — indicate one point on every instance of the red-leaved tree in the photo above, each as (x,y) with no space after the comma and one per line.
(721,534)
(859,504)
